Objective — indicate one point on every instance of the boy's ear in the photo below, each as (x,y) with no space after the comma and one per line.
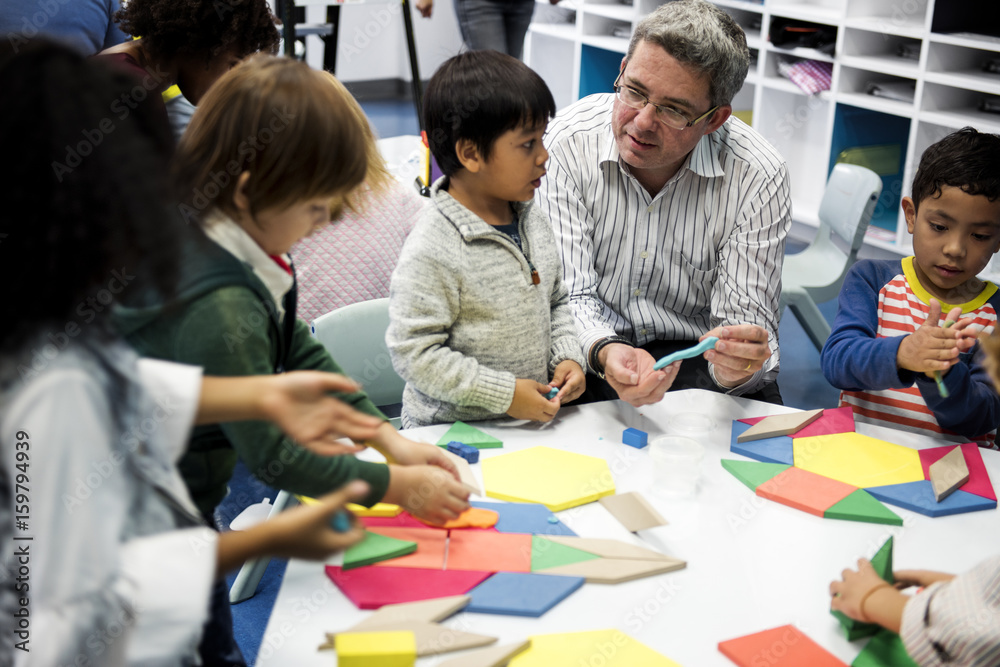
(468,155)
(240,199)
(910,213)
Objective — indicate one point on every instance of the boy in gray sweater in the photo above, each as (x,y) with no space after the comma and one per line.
(480,325)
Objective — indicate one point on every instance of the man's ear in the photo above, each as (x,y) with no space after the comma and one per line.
(240,199)
(468,155)
(718,117)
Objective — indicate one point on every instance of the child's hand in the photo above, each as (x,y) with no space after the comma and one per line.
(860,596)
(300,404)
(305,531)
(427,492)
(406,452)
(933,348)
(570,379)
(530,402)
(922,578)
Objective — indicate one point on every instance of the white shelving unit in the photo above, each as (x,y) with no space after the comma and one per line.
(575,48)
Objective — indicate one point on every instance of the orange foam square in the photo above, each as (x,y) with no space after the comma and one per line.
(486,551)
(805,490)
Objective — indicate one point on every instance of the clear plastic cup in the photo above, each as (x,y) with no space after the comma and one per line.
(676,465)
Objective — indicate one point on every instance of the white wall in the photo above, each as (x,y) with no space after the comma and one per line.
(372,40)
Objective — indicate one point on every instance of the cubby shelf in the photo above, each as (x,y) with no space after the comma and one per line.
(945,57)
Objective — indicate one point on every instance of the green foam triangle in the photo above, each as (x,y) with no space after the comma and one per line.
(862,506)
(546,554)
(882,564)
(468,435)
(753,473)
(374,548)
(884,650)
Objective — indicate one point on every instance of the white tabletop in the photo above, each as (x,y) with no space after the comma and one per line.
(752,564)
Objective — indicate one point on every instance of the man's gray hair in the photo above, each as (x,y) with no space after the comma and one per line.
(699,34)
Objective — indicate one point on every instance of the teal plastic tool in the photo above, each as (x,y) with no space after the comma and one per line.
(938,378)
(552,393)
(701,348)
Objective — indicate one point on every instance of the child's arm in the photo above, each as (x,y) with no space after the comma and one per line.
(972,406)
(853,357)
(566,360)
(865,596)
(301,532)
(299,402)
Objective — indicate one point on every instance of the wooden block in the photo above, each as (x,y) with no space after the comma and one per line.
(979,480)
(616,570)
(776,425)
(948,473)
(607,548)
(376,649)
(633,511)
(465,474)
(428,611)
(496,656)
(430,638)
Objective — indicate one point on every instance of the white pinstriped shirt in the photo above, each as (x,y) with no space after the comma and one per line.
(706,250)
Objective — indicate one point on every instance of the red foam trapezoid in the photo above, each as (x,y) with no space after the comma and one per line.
(371,587)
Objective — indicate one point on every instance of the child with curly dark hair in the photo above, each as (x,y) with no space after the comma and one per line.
(190,43)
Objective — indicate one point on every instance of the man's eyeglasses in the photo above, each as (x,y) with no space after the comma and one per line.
(672,118)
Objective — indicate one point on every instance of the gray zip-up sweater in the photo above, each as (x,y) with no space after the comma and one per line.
(466,317)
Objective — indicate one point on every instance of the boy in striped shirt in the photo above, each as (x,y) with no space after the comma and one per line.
(889,338)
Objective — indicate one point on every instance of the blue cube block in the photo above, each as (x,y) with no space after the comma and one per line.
(633,437)
(467,452)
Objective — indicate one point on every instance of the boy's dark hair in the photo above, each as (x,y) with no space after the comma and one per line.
(200,27)
(966,159)
(86,208)
(479,95)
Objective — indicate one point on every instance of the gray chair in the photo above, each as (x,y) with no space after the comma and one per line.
(816,274)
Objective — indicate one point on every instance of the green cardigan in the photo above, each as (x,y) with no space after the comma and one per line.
(224,320)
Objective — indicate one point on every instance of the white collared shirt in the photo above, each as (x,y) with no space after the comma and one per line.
(227,233)
(706,250)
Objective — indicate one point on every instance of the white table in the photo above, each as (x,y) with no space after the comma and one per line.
(752,564)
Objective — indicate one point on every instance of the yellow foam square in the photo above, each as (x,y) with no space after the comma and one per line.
(856,459)
(555,478)
(609,648)
(376,649)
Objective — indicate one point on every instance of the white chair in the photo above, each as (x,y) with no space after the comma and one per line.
(816,274)
(355,336)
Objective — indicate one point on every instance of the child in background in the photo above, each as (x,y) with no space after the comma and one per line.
(273,148)
(953,621)
(889,340)
(121,563)
(480,324)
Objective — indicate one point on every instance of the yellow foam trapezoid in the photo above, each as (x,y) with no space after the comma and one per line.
(856,459)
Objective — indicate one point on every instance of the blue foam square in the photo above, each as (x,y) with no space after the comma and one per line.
(521,593)
(919,497)
(633,437)
(525,518)
(769,450)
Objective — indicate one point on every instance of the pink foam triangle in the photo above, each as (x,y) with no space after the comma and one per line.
(979,480)
(371,587)
(833,420)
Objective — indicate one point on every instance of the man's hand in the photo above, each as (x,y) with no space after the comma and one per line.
(530,402)
(425,7)
(570,379)
(741,351)
(629,371)
(932,347)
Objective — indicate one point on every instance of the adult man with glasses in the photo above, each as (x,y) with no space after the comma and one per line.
(671,215)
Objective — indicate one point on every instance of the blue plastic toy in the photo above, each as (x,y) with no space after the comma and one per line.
(552,393)
(701,348)
(467,452)
(633,437)
(341,521)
